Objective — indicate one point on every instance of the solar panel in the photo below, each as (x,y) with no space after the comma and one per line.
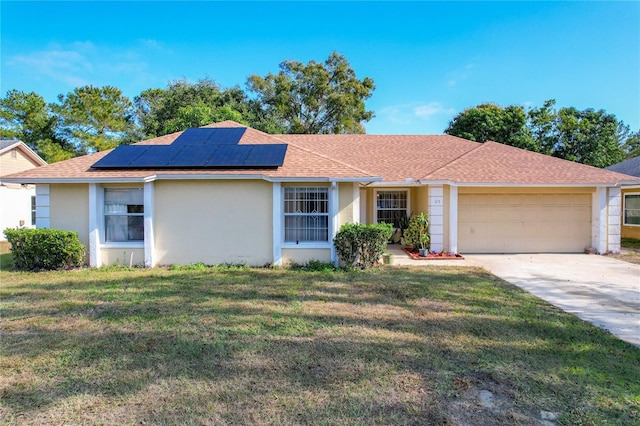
(266,155)
(192,156)
(209,136)
(156,156)
(197,148)
(121,156)
(229,156)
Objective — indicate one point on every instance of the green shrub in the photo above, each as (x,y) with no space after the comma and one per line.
(417,234)
(362,245)
(37,249)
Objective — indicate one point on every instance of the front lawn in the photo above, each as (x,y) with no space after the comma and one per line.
(429,345)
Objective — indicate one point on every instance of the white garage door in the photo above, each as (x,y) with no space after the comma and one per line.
(524,223)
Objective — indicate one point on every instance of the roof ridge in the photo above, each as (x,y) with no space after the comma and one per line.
(480,144)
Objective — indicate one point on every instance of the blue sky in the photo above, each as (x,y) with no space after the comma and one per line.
(429,60)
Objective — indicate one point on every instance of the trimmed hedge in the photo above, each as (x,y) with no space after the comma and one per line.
(362,245)
(44,249)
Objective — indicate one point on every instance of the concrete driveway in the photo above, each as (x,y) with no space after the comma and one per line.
(598,289)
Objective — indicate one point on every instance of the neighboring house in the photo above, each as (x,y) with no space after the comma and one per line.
(630,216)
(162,202)
(17,201)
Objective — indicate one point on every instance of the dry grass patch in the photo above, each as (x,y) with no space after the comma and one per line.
(248,346)
(630,251)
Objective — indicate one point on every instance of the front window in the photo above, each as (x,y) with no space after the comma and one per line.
(632,209)
(124,214)
(391,206)
(33,210)
(306,214)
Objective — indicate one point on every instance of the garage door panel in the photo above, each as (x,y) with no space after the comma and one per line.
(474,245)
(582,214)
(514,200)
(495,245)
(564,215)
(581,200)
(524,223)
(531,214)
(511,214)
(555,230)
(514,230)
(497,200)
(473,231)
(496,230)
(467,215)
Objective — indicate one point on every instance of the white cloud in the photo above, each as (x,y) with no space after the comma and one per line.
(83,63)
(432,108)
(408,113)
(460,74)
(66,66)
(420,117)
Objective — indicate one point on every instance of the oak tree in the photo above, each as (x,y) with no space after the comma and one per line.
(316,97)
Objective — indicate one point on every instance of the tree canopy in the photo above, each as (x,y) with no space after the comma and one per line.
(27,117)
(96,118)
(592,137)
(316,97)
(491,122)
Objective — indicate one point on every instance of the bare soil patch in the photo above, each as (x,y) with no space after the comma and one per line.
(630,251)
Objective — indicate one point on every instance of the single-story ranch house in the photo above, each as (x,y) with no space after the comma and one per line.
(226,193)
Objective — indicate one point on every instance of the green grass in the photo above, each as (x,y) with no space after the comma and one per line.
(6,261)
(256,346)
(630,243)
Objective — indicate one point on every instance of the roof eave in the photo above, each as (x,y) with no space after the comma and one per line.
(157,177)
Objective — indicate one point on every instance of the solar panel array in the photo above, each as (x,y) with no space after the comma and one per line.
(197,148)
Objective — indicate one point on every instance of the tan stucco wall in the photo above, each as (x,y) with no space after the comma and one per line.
(346,203)
(367,193)
(419,200)
(122,256)
(69,209)
(628,231)
(9,164)
(213,222)
(303,256)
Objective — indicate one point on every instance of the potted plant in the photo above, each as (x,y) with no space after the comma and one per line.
(424,244)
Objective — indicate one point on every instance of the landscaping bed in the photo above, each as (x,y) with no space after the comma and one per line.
(414,254)
(405,345)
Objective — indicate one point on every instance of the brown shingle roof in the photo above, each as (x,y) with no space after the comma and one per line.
(394,158)
(492,163)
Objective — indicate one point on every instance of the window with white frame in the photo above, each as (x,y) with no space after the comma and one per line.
(632,209)
(306,214)
(33,210)
(123,214)
(390,206)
